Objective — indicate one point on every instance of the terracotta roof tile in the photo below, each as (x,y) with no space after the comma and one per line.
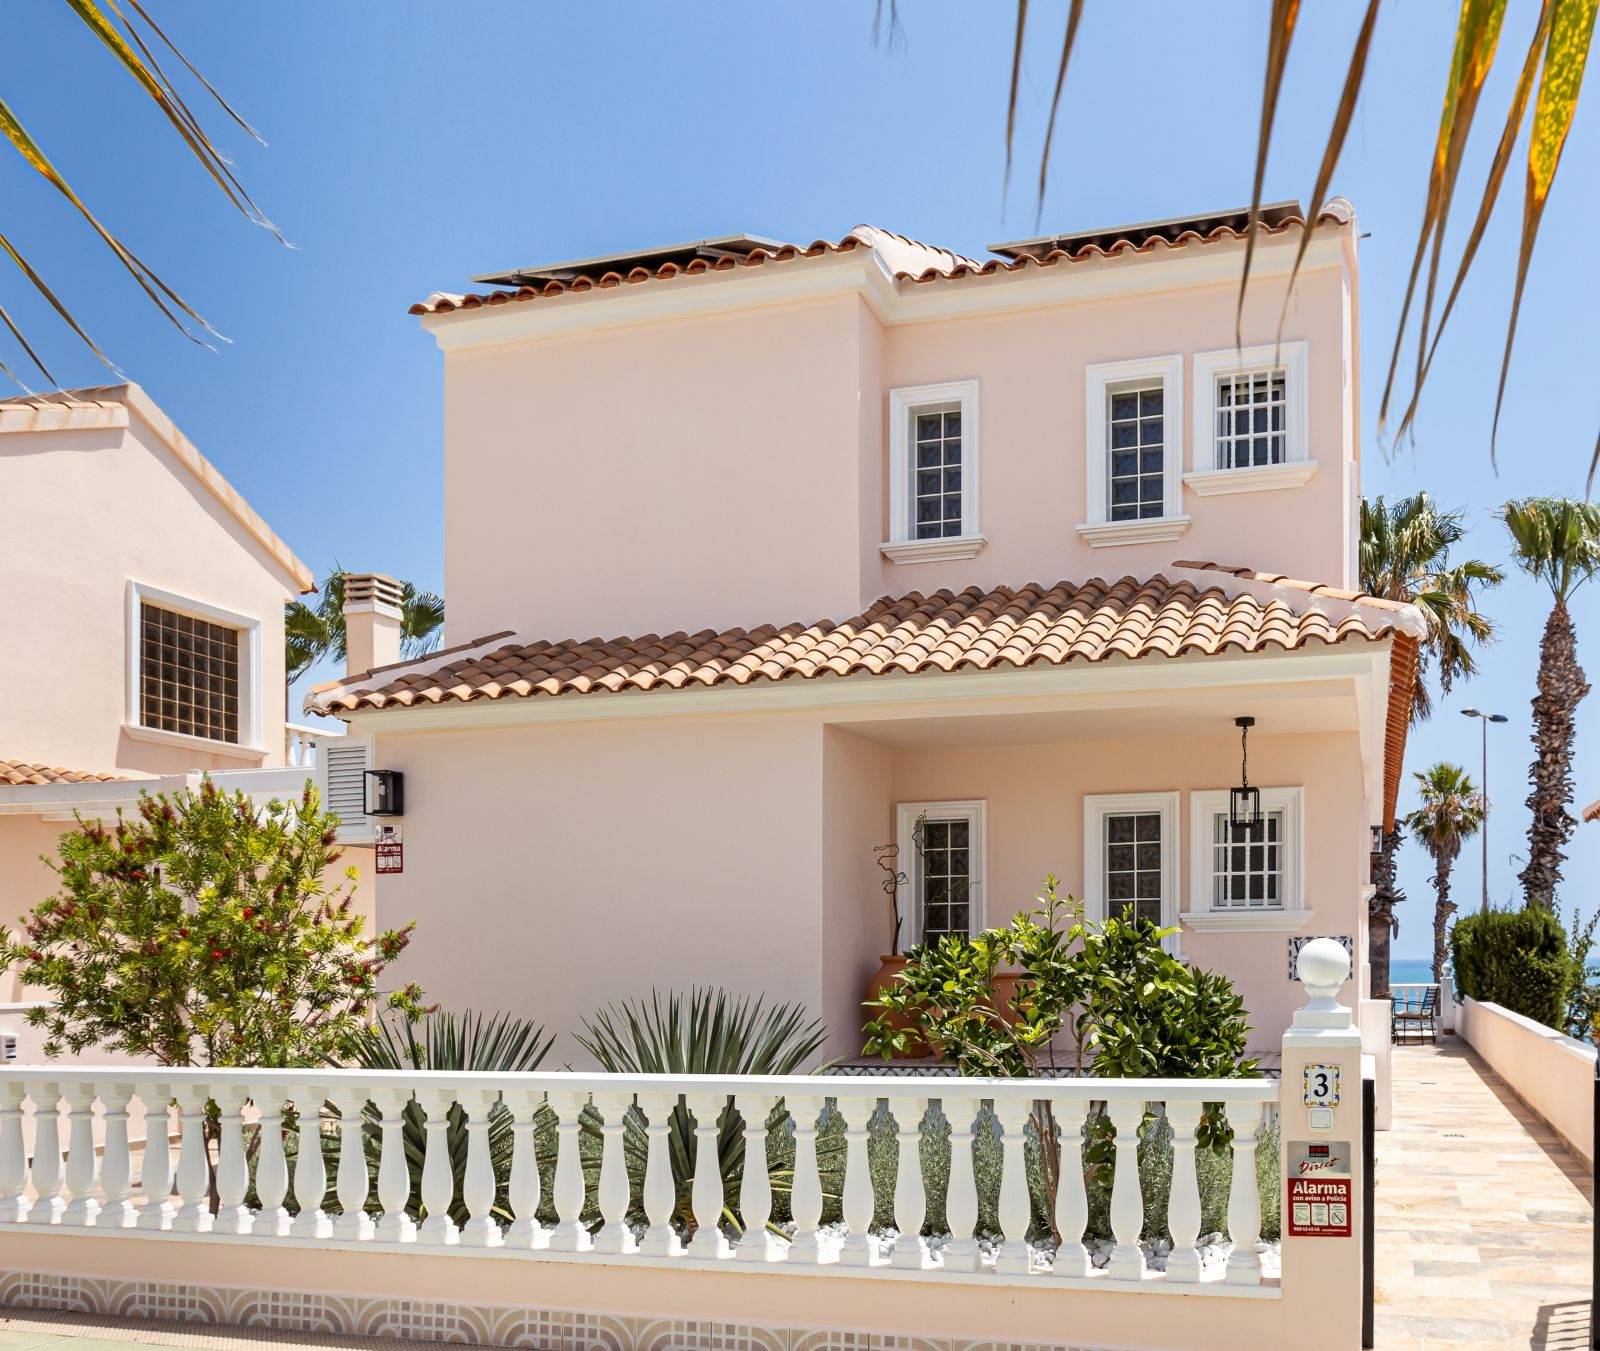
(975,630)
(909,260)
(19,773)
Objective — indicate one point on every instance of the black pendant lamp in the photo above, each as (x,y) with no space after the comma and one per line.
(1244,802)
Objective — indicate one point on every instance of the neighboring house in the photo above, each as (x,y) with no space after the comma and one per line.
(877,543)
(145,630)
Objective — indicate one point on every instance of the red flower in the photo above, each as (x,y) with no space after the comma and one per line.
(216,954)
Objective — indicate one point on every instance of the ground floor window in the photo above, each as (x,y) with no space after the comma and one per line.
(942,850)
(1248,872)
(1130,856)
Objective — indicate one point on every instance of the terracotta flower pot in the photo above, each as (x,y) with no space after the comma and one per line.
(1003,987)
(890,970)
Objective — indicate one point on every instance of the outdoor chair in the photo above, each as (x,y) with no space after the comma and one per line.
(1417,1020)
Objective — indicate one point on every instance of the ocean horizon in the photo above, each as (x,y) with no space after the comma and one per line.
(1410,970)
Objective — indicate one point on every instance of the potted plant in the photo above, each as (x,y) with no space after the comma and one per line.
(892,966)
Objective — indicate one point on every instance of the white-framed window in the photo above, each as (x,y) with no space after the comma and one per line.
(933,473)
(943,849)
(1247,880)
(1130,856)
(194,672)
(1251,422)
(1133,451)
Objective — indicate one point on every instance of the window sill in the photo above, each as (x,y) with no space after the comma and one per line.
(1260,921)
(1104,534)
(933,550)
(1257,479)
(194,743)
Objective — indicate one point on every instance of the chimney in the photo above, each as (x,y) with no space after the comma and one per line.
(371,621)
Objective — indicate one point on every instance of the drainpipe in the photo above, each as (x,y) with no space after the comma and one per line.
(371,621)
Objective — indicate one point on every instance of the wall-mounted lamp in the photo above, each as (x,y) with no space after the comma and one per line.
(1244,802)
(385,793)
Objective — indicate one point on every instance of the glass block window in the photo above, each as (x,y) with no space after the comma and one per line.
(1133,864)
(1247,873)
(1251,419)
(1135,433)
(936,471)
(944,874)
(188,674)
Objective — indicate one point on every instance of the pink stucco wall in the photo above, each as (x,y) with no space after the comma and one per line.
(103,507)
(729,469)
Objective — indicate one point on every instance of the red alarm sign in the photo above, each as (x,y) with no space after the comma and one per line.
(1319,1189)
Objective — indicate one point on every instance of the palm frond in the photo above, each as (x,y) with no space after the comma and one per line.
(1068,38)
(1280,34)
(1555,539)
(1011,102)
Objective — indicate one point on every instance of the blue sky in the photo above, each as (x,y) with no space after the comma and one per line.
(411,145)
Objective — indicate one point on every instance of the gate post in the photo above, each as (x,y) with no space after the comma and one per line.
(1320,1119)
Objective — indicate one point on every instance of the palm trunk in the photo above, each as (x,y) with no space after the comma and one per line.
(1561,686)
(1381,923)
(1443,908)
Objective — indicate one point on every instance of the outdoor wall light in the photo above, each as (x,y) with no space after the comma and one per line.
(385,793)
(1244,802)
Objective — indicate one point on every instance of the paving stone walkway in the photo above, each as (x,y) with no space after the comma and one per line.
(1484,1219)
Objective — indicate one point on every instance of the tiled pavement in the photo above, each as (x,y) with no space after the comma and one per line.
(1484,1219)
(43,1331)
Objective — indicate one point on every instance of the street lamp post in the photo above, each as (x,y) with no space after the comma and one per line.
(1483,787)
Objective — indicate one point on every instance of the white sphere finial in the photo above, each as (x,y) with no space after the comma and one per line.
(1323,966)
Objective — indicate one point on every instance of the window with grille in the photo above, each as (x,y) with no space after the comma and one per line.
(1247,867)
(1252,419)
(1136,441)
(944,869)
(936,471)
(188,674)
(1134,871)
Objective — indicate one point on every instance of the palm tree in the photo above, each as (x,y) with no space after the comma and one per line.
(1405,556)
(1556,540)
(312,632)
(1451,813)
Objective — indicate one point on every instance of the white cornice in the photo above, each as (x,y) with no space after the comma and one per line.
(1151,530)
(863,273)
(1251,479)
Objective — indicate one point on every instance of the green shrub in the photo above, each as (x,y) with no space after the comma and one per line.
(1518,959)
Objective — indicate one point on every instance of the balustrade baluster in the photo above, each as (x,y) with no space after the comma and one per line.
(1127,1202)
(857,1202)
(155,1172)
(755,1185)
(49,1204)
(660,1192)
(615,1236)
(1244,1197)
(523,1186)
(193,1215)
(805,1192)
(310,1169)
(13,1156)
(1183,1209)
(706,1196)
(272,1170)
(1016,1210)
(570,1234)
(961,1202)
(438,1178)
(1072,1197)
(910,1198)
(233,1174)
(477,1184)
(82,1208)
(116,1165)
(351,1181)
(394,1178)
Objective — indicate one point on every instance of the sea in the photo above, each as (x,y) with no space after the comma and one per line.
(1410,970)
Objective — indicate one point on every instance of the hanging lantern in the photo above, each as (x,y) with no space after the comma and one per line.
(1244,802)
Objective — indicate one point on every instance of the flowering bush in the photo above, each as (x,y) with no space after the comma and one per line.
(198,932)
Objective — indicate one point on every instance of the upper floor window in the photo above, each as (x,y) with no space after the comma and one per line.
(1133,448)
(193,671)
(1250,422)
(942,856)
(933,469)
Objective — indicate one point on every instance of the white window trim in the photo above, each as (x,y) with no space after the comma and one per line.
(1098,530)
(976,813)
(1098,806)
(1298,466)
(1292,916)
(249,746)
(903,546)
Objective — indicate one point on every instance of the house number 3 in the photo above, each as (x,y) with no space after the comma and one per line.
(1322,1086)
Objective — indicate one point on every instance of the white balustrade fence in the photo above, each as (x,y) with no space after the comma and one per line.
(575,1188)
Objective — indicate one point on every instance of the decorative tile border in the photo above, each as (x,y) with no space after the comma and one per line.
(288,1311)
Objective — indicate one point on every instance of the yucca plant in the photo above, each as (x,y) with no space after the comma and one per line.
(707,1031)
(461,1042)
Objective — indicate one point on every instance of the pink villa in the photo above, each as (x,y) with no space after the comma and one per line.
(759,556)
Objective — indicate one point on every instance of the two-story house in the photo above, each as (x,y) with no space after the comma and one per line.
(145,633)
(762,555)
